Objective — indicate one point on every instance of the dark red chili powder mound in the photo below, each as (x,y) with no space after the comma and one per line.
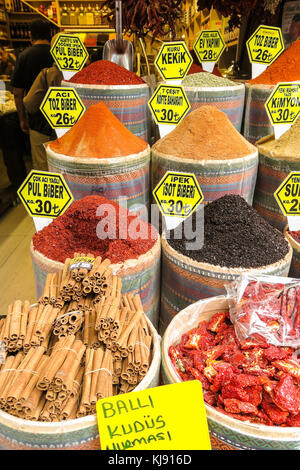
(104,72)
(75,231)
(295,235)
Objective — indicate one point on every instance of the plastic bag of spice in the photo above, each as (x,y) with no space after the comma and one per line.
(266,309)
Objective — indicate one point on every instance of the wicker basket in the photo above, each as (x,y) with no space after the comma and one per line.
(226,433)
(295,264)
(129,103)
(229,99)
(139,276)
(124,180)
(272,171)
(185,280)
(256,121)
(215,177)
(75,434)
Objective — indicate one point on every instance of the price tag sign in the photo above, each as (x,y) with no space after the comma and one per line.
(173,60)
(170,417)
(265,45)
(45,194)
(209,47)
(288,199)
(178,194)
(69,53)
(62,107)
(283,105)
(169,104)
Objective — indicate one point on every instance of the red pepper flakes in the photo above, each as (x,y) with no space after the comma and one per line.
(104,72)
(75,231)
(259,384)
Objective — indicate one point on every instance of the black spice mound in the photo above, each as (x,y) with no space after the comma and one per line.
(235,236)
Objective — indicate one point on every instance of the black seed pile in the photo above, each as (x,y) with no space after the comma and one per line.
(235,236)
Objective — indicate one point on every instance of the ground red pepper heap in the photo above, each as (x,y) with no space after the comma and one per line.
(104,72)
(248,380)
(295,235)
(75,231)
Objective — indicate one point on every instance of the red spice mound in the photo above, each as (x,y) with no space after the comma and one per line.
(249,380)
(285,69)
(75,231)
(104,72)
(295,235)
(98,134)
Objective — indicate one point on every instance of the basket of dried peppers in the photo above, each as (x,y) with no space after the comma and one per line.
(250,389)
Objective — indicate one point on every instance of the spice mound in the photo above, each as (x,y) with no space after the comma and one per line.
(285,69)
(249,380)
(205,134)
(75,346)
(104,72)
(98,134)
(108,235)
(206,79)
(287,146)
(235,236)
(295,235)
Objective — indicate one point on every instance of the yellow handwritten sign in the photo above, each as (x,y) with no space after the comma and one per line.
(62,107)
(171,417)
(84,262)
(45,194)
(283,105)
(178,194)
(173,60)
(169,104)
(265,45)
(69,52)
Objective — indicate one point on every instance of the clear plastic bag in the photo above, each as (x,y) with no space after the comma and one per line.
(266,309)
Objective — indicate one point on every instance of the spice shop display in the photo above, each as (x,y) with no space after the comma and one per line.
(277,158)
(285,69)
(249,389)
(236,240)
(123,92)
(206,144)
(208,89)
(101,227)
(294,239)
(112,349)
(99,155)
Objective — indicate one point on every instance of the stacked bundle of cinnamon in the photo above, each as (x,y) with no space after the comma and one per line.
(65,355)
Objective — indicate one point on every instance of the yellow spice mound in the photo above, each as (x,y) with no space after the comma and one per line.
(287,146)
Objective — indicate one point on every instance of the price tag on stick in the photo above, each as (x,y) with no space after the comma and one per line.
(62,108)
(264,46)
(173,60)
(45,196)
(170,417)
(209,47)
(69,54)
(178,195)
(288,199)
(283,106)
(168,105)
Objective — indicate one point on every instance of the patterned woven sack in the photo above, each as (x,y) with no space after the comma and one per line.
(271,173)
(122,179)
(256,121)
(139,276)
(215,177)
(185,280)
(129,103)
(229,99)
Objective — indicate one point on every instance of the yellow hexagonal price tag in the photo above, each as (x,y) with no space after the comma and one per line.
(45,194)
(288,194)
(69,52)
(169,104)
(173,60)
(62,107)
(283,105)
(265,45)
(209,46)
(178,194)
